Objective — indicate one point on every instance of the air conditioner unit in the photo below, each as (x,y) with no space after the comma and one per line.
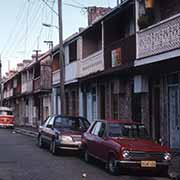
(141,84)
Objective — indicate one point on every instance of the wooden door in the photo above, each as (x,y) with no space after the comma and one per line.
(174,116)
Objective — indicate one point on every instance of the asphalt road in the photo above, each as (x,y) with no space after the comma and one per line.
(21,159)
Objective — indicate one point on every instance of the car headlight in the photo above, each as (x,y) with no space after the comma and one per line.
(167,156)
(66,138)
(125,154)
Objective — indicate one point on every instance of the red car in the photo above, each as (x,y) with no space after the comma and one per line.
(124,144)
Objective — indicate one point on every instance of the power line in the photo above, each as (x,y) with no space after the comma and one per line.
(17,28)
(50,7)
(18,17)
(75,6)
(33,25)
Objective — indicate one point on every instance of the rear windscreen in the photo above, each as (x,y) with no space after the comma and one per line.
(6,113)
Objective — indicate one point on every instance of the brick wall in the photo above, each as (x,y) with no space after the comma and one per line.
(95,13)
(169,8)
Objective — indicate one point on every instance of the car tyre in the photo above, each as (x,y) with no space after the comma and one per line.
(112,166)
(53,148)
(40,142)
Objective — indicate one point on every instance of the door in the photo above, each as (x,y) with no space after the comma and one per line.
(174,116)
(102,101)
(89,107)
(156,113)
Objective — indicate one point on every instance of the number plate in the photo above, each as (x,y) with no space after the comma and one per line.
(148,163)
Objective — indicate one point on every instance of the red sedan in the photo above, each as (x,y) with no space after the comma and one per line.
(124,144)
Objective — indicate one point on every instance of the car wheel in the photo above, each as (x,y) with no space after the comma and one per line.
(112,166)
(53,148)
(40,142)
(86,155)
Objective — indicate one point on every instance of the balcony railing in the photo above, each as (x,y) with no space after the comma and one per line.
(72,71)
(8,93)
(56,77)
(159,38)
(37,84)
(126,48)
(27,87)
(91,64)
(40,84)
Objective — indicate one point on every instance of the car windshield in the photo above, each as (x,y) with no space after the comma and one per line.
(76,124)
(128,130)
(5,112)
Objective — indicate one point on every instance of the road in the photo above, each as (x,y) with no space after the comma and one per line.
(21,159)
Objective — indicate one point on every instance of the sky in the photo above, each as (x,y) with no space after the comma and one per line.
(21,29)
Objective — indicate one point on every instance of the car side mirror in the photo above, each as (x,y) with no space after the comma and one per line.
(49,126)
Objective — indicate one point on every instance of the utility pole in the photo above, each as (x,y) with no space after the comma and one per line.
(117,2)
(61,57)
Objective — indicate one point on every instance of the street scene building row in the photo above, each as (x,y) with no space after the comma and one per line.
(124,65)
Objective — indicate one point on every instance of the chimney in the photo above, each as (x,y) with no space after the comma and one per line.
(26,62)
(20,66)
(94,13)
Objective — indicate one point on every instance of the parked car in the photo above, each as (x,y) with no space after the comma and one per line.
(6,117)
(62,132)
(124,144)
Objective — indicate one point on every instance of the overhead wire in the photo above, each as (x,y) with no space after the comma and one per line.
(14,26)
(19,28)
(33,25)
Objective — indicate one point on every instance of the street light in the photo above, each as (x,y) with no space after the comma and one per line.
(49,25)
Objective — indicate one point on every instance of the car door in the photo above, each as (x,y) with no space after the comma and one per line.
(100,142)
(42,129)
(48,130)
(93,138)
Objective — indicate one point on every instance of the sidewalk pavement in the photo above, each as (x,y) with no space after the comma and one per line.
(29,131)
(174,170)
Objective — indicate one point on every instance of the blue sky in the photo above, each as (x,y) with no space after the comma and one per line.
(21,26)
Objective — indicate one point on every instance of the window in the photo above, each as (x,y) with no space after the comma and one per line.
(127,130)
(73,51)
(46,121)
(51,121)
(102,130)
(85,122)
(74,124)
(96,128)
(6,112)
